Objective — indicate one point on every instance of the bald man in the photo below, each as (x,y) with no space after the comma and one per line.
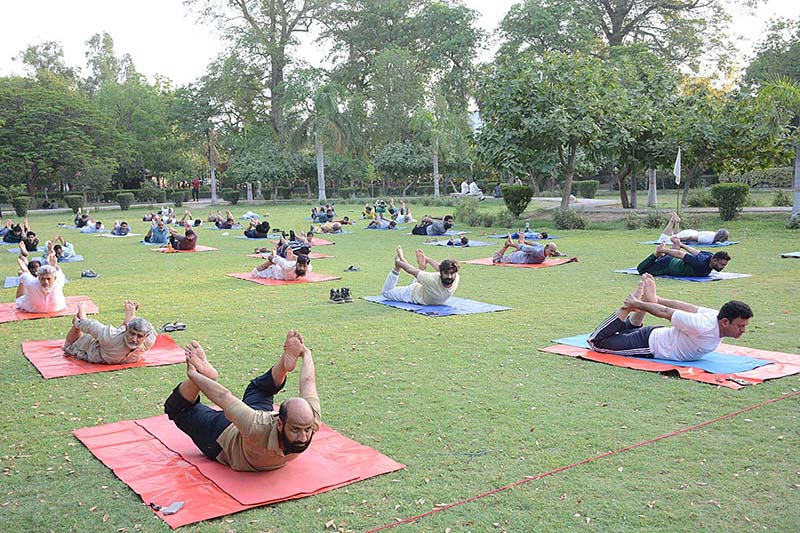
(247,435)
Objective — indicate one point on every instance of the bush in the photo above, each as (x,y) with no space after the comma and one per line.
(654,219)
(125,199)
(21,205)
(770,177)
(177,198)
(231,196)
(74,201)
(505,219)
(466,212)
(782,199)
(587,188)
(701,198)
(731,197)
(569,219)
(633,221)
(794,222)
(516,197)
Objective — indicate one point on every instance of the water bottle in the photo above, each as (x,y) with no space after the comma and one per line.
(527,227)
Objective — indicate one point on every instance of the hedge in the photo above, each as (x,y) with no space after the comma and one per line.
(231,196)
(125,199)
(586,188)
(730,197)
(74,201)
(778,177)
(516,197)
(21,205)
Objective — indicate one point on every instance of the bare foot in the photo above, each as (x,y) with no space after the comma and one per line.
(509,242)
(421,261)
(660,250)
(81,314)
(400,255)
(292,349)
(196,357)
(649,284)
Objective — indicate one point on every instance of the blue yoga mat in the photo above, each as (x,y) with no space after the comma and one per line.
(15,250)
(528,236)
(695,245)
(714,276)
(454,306)
(268,237)
(472,244)
(73,259)
(213,227)
(153,243)
(13,281)
(791,254)
(396,228)
(714,362)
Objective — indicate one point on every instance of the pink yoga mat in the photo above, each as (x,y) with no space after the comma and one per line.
(50,361)
(10,313)
(311,277)
(312,255)
(160,463)
(548,262)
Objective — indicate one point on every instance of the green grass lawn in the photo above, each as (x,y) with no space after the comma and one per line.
(467,402)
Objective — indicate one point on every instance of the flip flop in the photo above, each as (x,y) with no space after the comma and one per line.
(352,268)
(169,327)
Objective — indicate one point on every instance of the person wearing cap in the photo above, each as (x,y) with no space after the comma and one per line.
(524,253)
(89,340)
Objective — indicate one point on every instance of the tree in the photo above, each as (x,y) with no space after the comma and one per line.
(267,162)
(47,57)
(404,163)
(778,54)
(563,104)
(783,95)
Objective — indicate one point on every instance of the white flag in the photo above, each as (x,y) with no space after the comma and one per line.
(677,169)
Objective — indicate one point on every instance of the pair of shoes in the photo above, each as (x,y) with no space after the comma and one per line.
(262,250)
(344,292)
(89,274)
(169,327)
(352,268)
(336,297)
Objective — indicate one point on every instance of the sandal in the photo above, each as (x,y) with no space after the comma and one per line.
(89,274)
(352,268)
(169,327)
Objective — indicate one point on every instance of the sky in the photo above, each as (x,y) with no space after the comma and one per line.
(164,38)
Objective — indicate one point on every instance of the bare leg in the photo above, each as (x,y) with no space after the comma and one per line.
(637,317)
(74,333)
(197,356)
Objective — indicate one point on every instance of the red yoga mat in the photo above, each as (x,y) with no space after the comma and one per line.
(547,262)
(785,364)
(197,248)
(311,277)
(50,361)
(10,313)
(161,464)
(312,255)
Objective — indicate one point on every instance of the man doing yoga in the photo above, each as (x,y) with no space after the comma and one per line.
(428,288)
(695,331)
(247,435)
(682,261)
(285,268)
(108,344)
(524,253)
(673,229)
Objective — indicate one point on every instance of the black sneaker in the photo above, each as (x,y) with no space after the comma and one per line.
(336,297)
(345,294)
(292,236)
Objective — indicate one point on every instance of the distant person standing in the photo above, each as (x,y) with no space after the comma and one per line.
(196,190)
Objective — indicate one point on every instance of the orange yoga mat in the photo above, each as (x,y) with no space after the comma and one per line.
(197,248)
(312,255)
(784,364)
(547,263)
(161,464)
(50,361)
(10,313)
(311,277)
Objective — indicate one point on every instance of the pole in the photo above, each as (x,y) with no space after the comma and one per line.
(211,169)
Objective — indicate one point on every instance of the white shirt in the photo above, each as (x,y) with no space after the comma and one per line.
(428,289)
(473,188)
(281,268)
(464,187)
(700,237)
(691,336)
(37,301)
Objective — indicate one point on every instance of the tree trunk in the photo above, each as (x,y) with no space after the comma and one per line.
(796,180)
(652,194)
(634,196)
(320,169)
(536,190)
(569,170)
(435,174)
(623,189)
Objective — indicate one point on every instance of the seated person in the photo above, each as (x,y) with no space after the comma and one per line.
(382,223)
(284,268)
(63,250)
(428,288)
(682,261)
(257,230)
(369,212)
(89,340)
(186,242)
(464,188)
(694,332)
(93,226)
(120,228)
(463,241)
(433,226)
(246,434)
(524,253)
(12,233)
(689,235)
(474,190)
(44,292)
(158,232)
(327,227)
(498,193)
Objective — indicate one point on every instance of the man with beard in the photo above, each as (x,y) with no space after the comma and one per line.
(284,268)
(428,288)
(683,261)
(187,241)
(247,435)
(694,331)
(91,341)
